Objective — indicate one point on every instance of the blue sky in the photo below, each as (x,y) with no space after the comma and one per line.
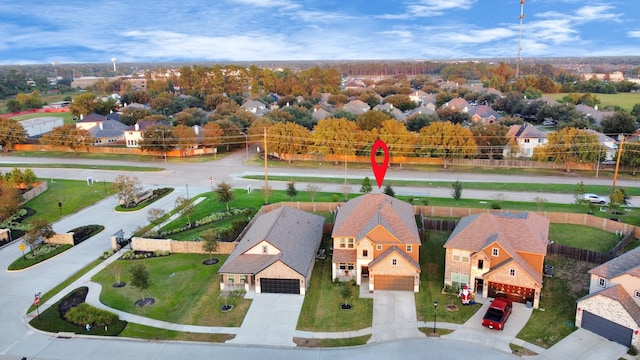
(79,31)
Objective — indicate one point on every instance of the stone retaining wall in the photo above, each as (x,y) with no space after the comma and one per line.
(61,239)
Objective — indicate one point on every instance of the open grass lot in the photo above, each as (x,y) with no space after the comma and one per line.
(624,100)
(82,166)
(321,308)
(185,291)
(431,283)
(73,194)
(529,187)
(555,318)
(66,116)
(583,237)
(146,332)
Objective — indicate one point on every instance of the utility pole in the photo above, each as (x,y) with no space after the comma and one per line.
(615,175)
(266,168)
(520,39)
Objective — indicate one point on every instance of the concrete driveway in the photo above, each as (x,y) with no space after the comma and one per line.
(394,316)
(473,331)
(584,345)
(271,320)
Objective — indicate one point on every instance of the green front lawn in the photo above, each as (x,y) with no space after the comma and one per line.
(38,255)
(185,291)
(321,308)
(147,332)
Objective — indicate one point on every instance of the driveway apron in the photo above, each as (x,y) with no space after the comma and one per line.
(394,316)
(584,345)
(271,320)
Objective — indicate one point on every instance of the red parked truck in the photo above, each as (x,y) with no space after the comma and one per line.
(497,314)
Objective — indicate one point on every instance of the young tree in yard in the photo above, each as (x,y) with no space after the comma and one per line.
(266,192)
(210,242)
(126,189)
(456,190)
(366,187)
(225,193)
(11,133)
(116,270)
(40,229)
(186,208)
(291,190)
(389,191)
(68,136)
(140,278)
(185,138)
(155,214)
(29,178)
(313,191)
(580,200)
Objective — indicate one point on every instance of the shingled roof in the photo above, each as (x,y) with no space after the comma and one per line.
(627,263)
(361,215)
(295,233)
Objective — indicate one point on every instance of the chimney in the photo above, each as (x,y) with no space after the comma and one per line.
(595,106)
(81,116)
(137,127)
(101,125)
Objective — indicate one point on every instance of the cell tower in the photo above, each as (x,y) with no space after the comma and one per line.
(113,60)
(520,39)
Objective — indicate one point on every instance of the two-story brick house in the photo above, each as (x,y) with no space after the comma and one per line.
(498,255)
(376,236)
(612,307)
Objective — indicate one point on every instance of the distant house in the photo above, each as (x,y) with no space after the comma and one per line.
(255,107)
(458,104)
(320,113)
(612,307)
(498,255)
(527,137)
(357,107)
(41,125)
(89,121)
(276,254)
(133,134)
(355,84)
(484,114)
(417,96)
(593,112)
(423,110)
(108,132)
(609,144)
(375,236)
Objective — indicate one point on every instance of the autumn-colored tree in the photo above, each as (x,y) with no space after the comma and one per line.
(211,135)
(372,119)
(231,133)
(399,140)
(400,101)
(10,200)
(185,137)
(336,136)
(490,138)
(569,145)
(631,155)
(288,139)
(277,115)
(445,140)
(453,115)
(620,122)
(11,133)
(84,104)
(158,138)
(69,136)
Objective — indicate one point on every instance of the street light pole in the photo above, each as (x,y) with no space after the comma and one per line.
(105,187)
(435,307)
(246,144)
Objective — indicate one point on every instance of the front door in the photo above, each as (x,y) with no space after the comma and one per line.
(479,286)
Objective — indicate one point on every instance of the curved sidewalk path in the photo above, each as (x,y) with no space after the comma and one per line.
(386,330)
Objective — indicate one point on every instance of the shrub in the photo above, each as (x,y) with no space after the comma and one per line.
(496,205)
(632,350)
(161,253)
(86,314)
(107,254)
(129,254)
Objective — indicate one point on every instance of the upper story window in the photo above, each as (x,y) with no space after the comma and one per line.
(394,262)
(365,253)
(526,141)
(636,293)
(512,272)
(378,247)
(495,251)
(602,282)
(265,249)
(480,264)
(408,248)
(461,256)
(346,243)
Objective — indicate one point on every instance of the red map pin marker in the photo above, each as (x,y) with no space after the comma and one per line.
(379,170)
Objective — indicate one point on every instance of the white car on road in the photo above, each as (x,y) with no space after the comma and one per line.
(594,198)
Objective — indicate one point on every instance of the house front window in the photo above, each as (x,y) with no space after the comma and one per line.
(526,141)
(343,266)
(365,253)
(394,262)
(460,256)
(379,247)
(458,280)
(265,249)
(480,264)
(408,248)
(495,251)
(637,294)
(602,282)
(346,243)
(512,272)
(350,267)
(231,279)
(243,279)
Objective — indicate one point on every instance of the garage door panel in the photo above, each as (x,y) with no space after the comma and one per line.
(280,286)
(607,328)
(389,282)
(515,293)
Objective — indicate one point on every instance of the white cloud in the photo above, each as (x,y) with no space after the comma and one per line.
(634,34)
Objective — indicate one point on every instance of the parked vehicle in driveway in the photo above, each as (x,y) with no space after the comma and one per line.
(497,314)
(593,198)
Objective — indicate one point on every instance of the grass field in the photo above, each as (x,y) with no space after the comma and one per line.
(583,237)
(66,116)
(624,100)
(81,166)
